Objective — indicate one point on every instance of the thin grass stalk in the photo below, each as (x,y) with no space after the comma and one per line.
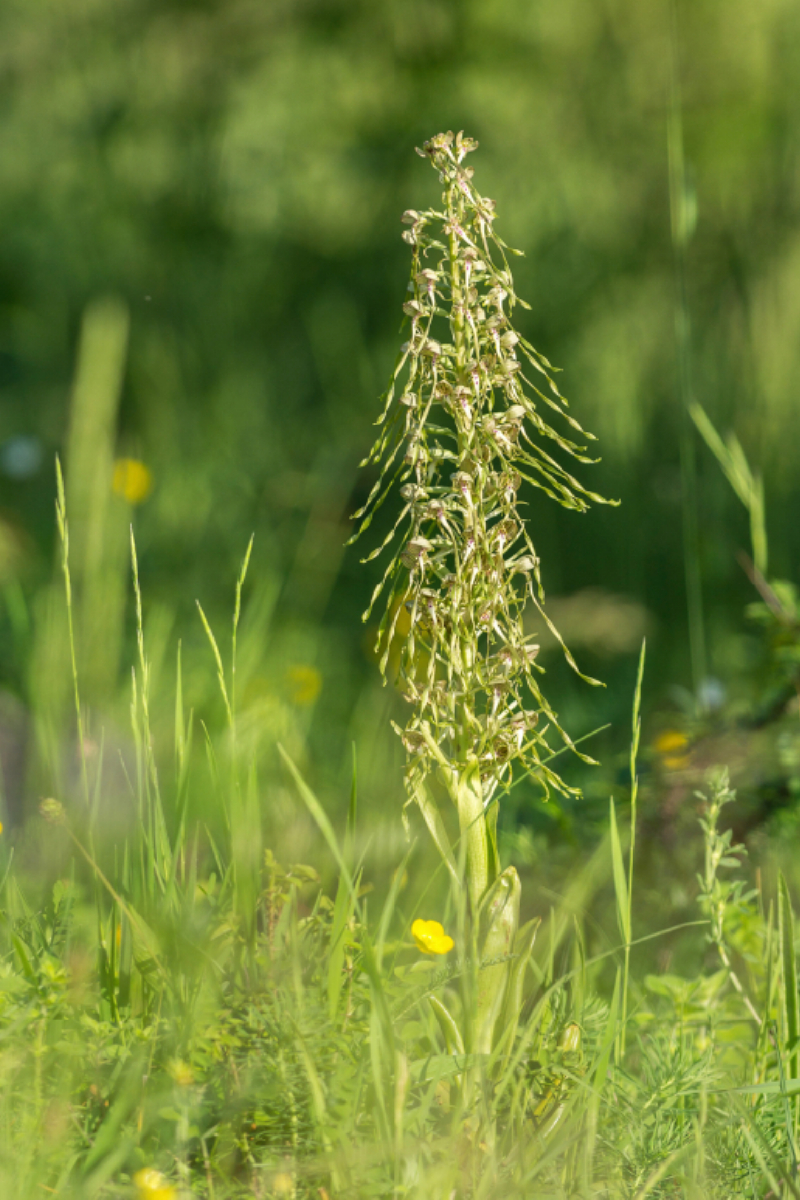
(635,735)
(63,529)
(681,227)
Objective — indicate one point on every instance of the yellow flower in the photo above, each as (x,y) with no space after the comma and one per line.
(181,1073)
(132,480)
(431,938)
(151,1185)
(673,747)
(305,684)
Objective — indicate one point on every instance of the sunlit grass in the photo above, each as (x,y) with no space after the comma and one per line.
(184,1014)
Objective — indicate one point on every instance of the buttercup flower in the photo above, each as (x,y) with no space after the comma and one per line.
(673,747)
(132,480)
(151,1185)
(431,937)
(181,1073)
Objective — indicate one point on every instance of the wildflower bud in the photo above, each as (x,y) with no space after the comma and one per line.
(435,510)
(509,482)
(53,811)
(416,452)
(412,308)
(504,661)
(505,532)
(415,550)
(413,741)
(500,750)
(431,347)
(413,492)
(509,340)
(464,145)
(570,1039)
(408,400)
(410,217)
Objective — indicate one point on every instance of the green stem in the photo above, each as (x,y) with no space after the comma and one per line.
(457,299)
(636,730)
(680,225)
(468,796)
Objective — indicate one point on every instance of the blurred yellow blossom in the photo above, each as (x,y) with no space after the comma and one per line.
(282,1184)
(151,1185)
(181,1073)
(431,937)
(132,480)
(305,684)
(672,746)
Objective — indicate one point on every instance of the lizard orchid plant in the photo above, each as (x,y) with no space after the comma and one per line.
(466,424)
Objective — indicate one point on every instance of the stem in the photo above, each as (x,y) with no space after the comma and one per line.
(456,297)
(683,332)
(637,727)
(468,796)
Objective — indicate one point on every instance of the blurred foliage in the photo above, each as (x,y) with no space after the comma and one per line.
(232,174)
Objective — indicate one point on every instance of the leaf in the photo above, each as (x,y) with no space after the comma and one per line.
(620,882)
(499,918)
(602,1065)
(433,819)
(506,1027)
(789,971)
(450,1031)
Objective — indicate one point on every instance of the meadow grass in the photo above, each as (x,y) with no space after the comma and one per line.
(180,999)
(188,1011)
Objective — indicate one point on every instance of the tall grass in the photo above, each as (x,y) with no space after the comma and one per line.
(179,1000)
(186,1010)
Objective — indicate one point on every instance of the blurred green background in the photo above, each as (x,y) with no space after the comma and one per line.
(201,270)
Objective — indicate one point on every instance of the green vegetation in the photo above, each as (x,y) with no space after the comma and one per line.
(186,1012)
(539,940)
(191,1017)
